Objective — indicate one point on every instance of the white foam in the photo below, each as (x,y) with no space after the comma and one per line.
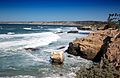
(30,40)
(10,33)
(19,76)
(72,28)
(27,28)
(55,29)
(35,58)
(85,31)
(66,29)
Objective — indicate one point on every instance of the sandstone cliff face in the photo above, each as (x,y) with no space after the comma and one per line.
(113,52)
(96,44)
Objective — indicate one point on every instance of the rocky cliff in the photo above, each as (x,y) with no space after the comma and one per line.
(97,44)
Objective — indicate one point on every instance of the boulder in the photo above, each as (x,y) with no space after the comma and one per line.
(86,47)
(73,49)
(84,28)
(59,32)
(72,32)
(31,49)
(70,56)
(61,47)
(95,45)
(57,57)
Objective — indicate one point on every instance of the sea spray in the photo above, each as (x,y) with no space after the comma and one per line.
(29,40)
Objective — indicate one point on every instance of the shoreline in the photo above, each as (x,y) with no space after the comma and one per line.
(101,47)
(71,23)
(96,44)
(81,25)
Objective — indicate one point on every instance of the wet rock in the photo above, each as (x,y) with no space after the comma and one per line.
(31,49)
(73,49)
(72,32)
(61,74)
(69,56)
(61,47)
(59,32)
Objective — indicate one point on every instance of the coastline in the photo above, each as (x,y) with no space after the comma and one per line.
(103,48)
(101,34)
(81,25)
(71,23)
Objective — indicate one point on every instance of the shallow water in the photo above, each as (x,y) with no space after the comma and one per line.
(15,62)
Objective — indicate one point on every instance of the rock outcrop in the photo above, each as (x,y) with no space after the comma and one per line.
(62,47)
(57,57)
(31,49)
(72,32)
(113,51)
(84,28)
(97,44)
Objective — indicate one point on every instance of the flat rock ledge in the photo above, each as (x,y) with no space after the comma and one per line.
(97,44)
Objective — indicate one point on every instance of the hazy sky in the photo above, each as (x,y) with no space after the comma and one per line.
(57,10)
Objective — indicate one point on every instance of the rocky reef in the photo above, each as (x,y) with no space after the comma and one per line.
(96,44)
(102,70)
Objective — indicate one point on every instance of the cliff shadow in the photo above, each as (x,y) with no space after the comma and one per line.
(103,49)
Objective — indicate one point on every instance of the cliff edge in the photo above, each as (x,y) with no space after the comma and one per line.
(97,44)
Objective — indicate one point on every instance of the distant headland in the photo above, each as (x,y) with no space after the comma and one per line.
(86,24)
(77,23)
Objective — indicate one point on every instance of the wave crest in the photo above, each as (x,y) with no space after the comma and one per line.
(29,40)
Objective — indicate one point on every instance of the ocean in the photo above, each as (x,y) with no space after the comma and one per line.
(16,62)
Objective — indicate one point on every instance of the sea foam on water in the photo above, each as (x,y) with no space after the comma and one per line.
(30,40)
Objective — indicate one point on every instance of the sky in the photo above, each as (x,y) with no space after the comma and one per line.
(57,10)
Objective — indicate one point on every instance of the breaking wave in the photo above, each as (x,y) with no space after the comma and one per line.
(27,28)
(32,40)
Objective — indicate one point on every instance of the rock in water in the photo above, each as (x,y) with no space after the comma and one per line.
(61,47)
(57,57)
(31,49)
(72,32)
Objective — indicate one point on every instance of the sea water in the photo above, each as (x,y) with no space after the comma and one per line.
(16,62)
